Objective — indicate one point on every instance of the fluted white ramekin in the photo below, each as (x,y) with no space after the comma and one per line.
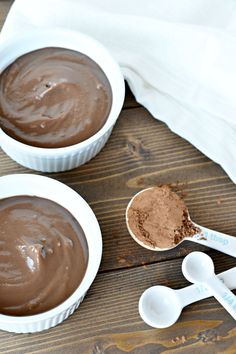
(66,158)
(27,184)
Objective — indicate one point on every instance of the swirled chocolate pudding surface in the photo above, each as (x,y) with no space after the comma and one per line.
(53,97)
(43,255)
(158,217)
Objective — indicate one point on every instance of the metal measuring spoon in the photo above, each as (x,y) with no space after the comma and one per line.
(210,238)
(160,306)
(198,267)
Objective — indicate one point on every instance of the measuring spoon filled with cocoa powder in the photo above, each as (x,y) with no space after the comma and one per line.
(158,219)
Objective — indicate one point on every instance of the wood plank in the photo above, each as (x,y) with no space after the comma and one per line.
(108,319)
(4,8)
(143,152)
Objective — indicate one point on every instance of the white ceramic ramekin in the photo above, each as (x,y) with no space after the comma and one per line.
(45,187)
(62,159)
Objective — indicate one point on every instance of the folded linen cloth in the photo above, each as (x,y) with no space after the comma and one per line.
(178,56)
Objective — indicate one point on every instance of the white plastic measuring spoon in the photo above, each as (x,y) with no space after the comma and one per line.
(210,238)
(198,267)
(160,306)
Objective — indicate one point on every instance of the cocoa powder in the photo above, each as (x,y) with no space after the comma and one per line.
(158,217)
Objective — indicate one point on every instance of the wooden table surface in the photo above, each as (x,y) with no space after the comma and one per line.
(141,152)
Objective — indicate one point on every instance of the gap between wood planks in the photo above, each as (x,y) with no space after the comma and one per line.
(211,252)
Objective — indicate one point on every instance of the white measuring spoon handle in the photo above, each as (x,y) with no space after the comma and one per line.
(225,297)
(216,240)
(228,278)
(197,292)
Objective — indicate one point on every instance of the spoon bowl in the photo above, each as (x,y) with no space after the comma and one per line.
(197,267)
(159,306)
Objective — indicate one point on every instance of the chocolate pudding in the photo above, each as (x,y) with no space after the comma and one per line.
(158,217)
(44,255)
(53,98)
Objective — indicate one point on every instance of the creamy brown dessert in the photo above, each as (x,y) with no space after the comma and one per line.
(43,255)
(53,98)
(159,218)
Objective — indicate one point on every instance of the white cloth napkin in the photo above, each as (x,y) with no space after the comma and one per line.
(178,56)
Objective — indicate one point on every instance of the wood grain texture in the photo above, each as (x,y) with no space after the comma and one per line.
(108,319)
(141,152)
